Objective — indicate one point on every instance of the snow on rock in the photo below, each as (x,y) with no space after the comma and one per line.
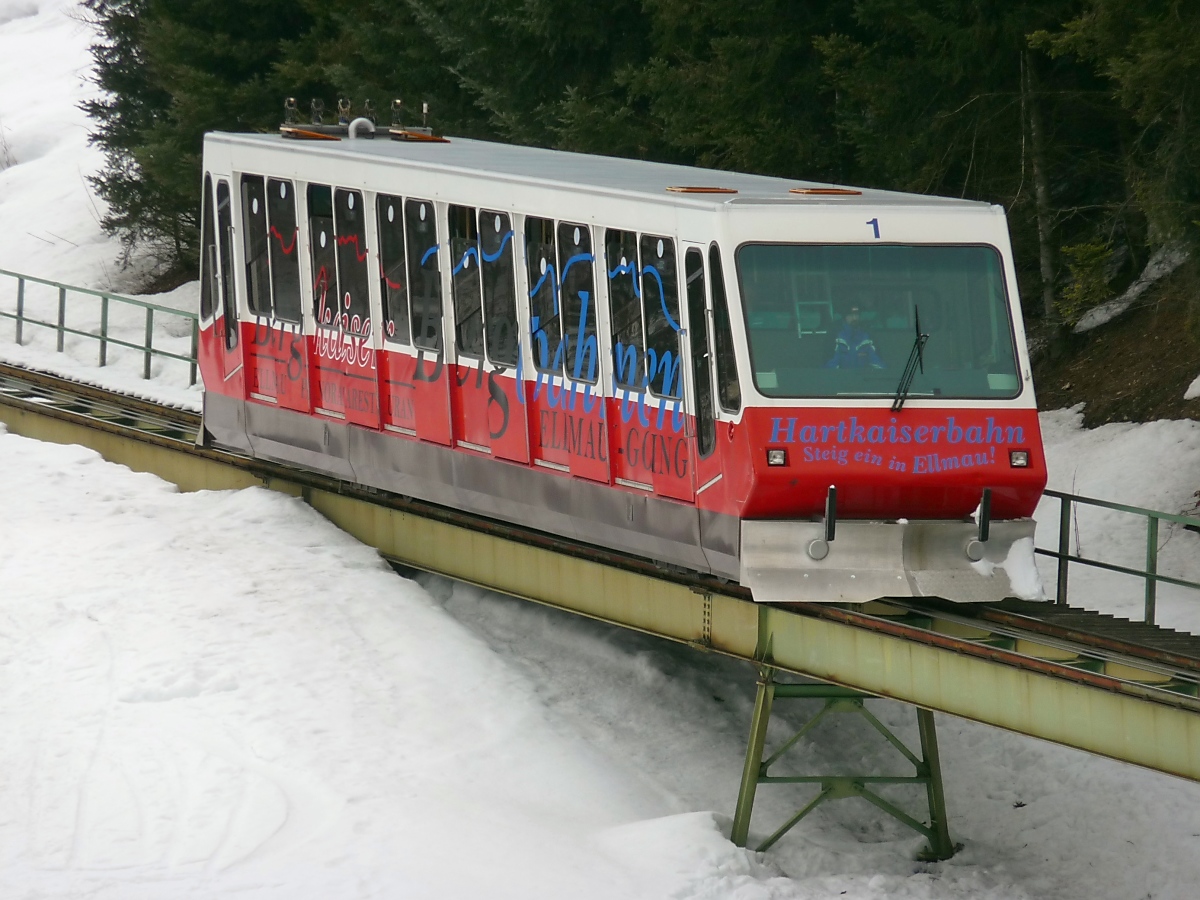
(1166,259)
(1193,391)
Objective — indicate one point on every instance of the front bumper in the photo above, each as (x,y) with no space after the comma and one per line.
(870,560)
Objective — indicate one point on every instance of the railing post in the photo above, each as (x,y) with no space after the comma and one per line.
(149,338)
(1064,549)
(62,315)
(104,330)
(1151,567)
(20,307)
(195,351)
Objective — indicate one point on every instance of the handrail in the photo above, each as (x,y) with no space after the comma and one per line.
(1149,575)
(105,297)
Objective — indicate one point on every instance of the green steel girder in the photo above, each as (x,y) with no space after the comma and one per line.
(988,684)
(928,770)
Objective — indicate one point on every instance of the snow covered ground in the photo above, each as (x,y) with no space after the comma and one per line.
(214,694)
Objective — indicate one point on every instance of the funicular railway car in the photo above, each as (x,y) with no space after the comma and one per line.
(819,392)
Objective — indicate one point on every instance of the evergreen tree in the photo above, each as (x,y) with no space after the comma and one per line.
(1150,49)
(947,98)
(131,104)
(171,72)
(728,85)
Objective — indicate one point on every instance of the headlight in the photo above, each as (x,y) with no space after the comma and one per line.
(1018,459)
(776,457)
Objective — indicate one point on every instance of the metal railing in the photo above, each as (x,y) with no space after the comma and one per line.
(102,335)
(1150,575)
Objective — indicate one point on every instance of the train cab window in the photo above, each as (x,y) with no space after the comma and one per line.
(208,254)
(660,303)
(706,427)
(842,320)
(393,279)
(350,228)
(424,274)
(285,260)
(326,308)
(225,236)
(578,297)
(254,241)
(464,281)
(625,308)
(729,391)
(545,323)
(499,287)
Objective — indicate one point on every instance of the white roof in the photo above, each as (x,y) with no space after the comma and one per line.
(535,165)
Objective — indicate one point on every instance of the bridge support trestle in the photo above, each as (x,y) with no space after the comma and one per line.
(835,787)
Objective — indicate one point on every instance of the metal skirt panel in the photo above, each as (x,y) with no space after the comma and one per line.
(661,530)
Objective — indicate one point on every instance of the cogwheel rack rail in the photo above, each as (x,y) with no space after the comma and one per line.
(1126,690)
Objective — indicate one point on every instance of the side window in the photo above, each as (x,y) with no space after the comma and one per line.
(545,324)
(499,286)
(660,301)
(324,260)
(350,227)
(225,236)
(706,427)
(578,297)
(625,308)
(208,254)
(424,276)
(254,240)
(729,393)
(393,279)
(464,281)
(285,261)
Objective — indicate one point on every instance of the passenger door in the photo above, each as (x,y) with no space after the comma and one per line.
(345,373)
(486,409)
(414,377)
(276,362)
(230,349)
(703,402)
(566,402)
(651,445)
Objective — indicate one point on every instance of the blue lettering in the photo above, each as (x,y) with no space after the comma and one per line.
(776,428)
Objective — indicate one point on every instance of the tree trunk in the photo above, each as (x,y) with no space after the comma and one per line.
(1041,189)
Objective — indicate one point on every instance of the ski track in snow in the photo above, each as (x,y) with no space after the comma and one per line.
(218,694)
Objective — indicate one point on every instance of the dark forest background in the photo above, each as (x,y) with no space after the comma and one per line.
(1080,117)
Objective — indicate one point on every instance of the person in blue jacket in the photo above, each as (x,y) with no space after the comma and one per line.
(853,347)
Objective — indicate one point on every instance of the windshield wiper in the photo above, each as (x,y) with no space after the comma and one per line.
(915,359)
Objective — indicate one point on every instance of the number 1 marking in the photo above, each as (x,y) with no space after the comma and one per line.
(874,223)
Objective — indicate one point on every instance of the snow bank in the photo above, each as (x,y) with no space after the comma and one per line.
(49,217)
(1154,465)
(1166,259)
(219,694)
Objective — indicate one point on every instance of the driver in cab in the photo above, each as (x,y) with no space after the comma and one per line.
(853,347)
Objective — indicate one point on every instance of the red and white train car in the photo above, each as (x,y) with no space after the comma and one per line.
(670,362)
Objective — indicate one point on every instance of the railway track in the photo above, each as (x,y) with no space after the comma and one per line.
(1067,642)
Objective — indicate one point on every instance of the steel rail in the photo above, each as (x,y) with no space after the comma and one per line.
(1117,717)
